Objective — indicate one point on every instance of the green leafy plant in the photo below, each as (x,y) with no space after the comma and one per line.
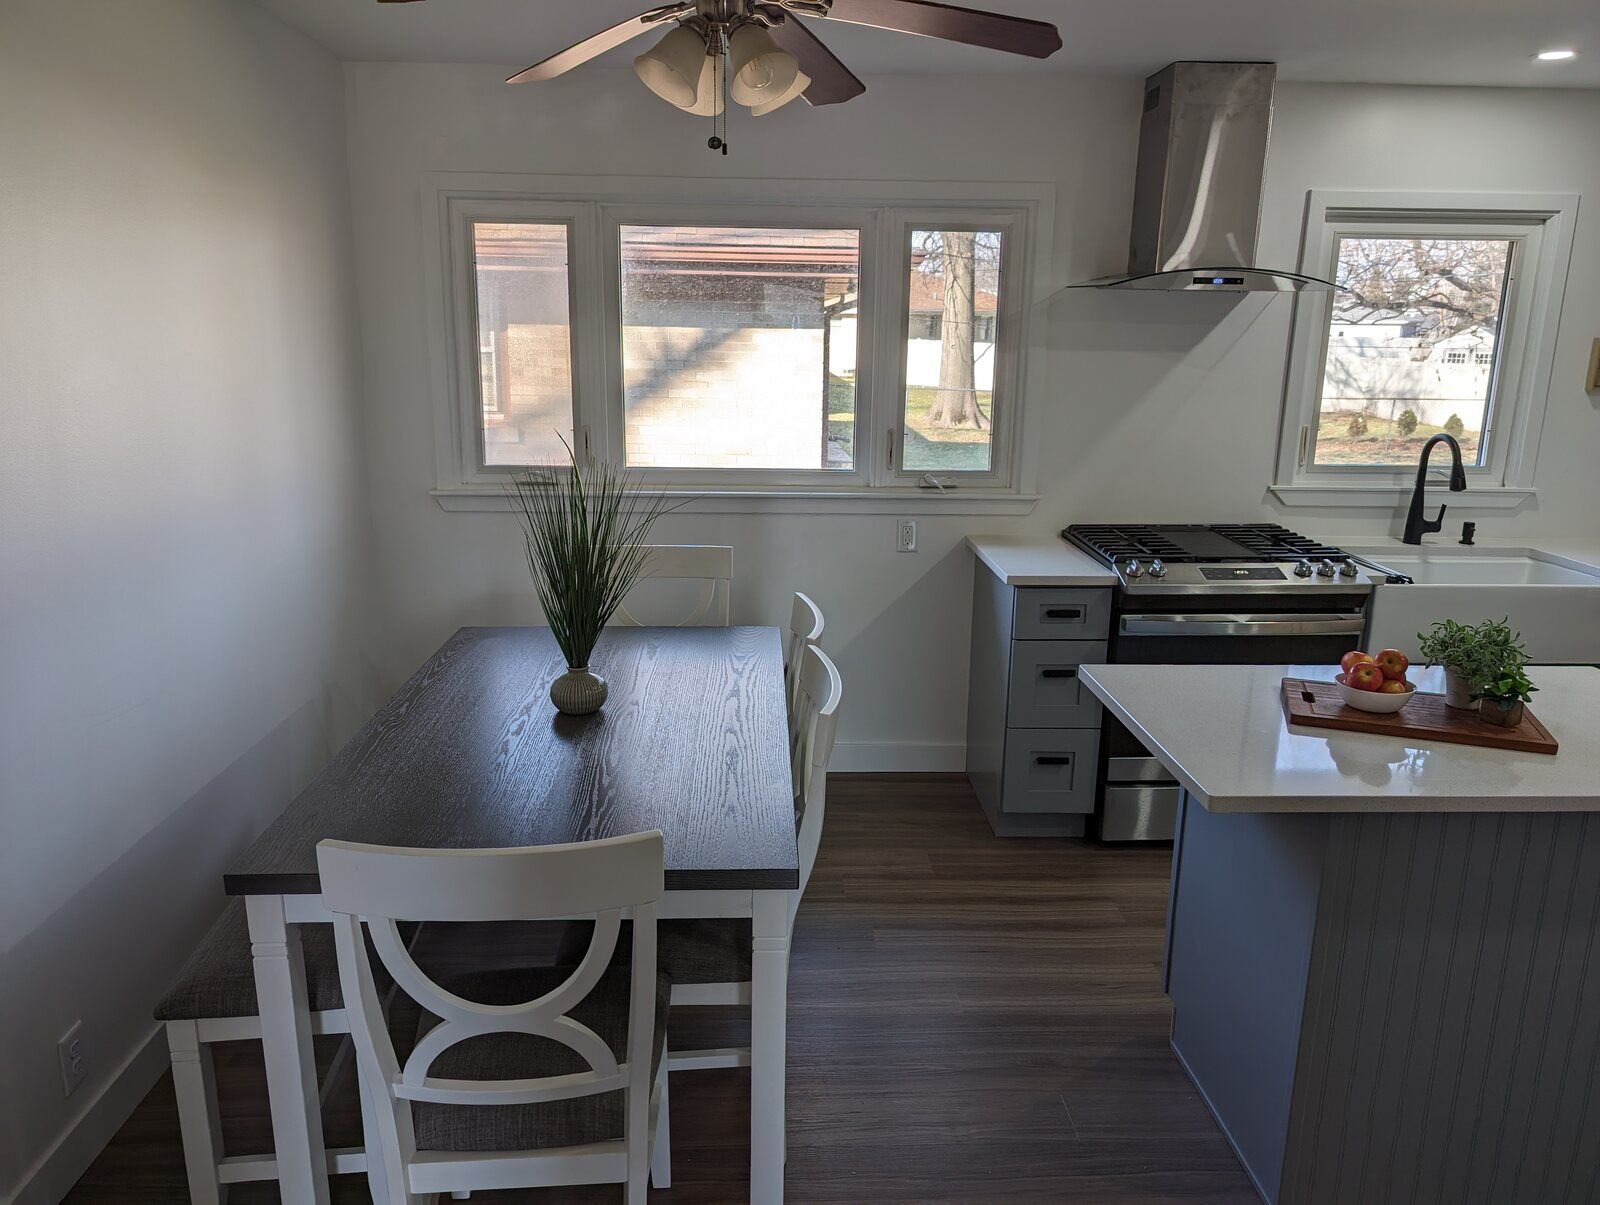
(1480,653)
(585,531)
(1357,425)
(1509,689)
(1454,426)
(1406,424)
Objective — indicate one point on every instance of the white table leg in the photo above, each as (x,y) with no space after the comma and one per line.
(286,1048)
(769,1005)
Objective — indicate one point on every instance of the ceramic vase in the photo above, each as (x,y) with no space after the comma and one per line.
(1495,711)
(1457,690)
(578,691)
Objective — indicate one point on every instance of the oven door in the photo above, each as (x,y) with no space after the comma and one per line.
(1140,799)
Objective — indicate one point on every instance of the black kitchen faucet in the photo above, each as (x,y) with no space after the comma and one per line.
(1416,525)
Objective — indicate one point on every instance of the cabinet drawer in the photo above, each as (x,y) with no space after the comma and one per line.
(1045,691)
(1049,771)
(1048,614)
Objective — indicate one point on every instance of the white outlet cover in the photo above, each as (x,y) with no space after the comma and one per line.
(74,1063)
(905,535)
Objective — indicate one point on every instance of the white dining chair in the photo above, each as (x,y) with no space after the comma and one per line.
(710,564)
(805,628)
(709,960)
(214,1000)
(528,1077)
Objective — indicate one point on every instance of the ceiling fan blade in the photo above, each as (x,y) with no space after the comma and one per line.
(1015,35)
(831,81)
(576,55)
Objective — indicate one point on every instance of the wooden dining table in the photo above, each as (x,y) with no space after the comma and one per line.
(471,754)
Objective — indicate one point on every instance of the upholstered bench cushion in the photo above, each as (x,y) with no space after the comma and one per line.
(690,951)
(573,1122)
(219,979)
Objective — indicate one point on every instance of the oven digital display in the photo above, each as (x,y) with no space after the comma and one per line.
(1269,573)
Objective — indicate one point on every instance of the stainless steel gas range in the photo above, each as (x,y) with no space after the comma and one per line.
(1227,593)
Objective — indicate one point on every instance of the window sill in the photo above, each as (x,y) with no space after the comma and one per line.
(956,501)
(1498,497)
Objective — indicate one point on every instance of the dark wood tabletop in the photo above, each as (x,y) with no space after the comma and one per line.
(470,754)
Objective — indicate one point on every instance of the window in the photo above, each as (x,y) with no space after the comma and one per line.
(519,272)
(739,337)
(1443,322)
(739,346)
(953,303)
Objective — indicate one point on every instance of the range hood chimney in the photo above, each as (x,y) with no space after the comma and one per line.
(1197,193)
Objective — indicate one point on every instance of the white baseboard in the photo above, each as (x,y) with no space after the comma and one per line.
(95,1124)
(897,757)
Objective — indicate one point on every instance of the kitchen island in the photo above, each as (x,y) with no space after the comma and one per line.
(1381,952)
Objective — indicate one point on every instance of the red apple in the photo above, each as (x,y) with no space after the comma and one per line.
(1395,686)
(1352,659)
(1393,663)
(1365,676)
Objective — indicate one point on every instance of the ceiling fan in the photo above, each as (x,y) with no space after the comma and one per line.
(762,56)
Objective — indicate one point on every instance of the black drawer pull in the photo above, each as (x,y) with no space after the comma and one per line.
(1063,612)
(1053,760)
(1060,671)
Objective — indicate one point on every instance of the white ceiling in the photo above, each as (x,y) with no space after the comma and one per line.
(1398,41)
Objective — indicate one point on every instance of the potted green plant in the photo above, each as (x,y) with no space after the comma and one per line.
(1502,700)
(585,532)
(1471,655)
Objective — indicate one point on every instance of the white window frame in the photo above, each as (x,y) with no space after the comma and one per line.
(595,208)
(864,221)
(1541,228)
(1010,317)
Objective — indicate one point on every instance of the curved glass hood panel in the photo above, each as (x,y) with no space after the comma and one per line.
(1214,280)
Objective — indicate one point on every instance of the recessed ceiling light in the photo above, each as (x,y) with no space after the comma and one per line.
(1556,56)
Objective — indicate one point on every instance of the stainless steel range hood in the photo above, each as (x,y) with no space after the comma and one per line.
(1197,194)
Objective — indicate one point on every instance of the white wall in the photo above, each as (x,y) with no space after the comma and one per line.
(182,512)
(1153,406)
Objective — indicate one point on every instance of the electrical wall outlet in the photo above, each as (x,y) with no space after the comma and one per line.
(74,1060)
(905,535)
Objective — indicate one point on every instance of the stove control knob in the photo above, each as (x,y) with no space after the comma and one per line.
(1348,569)
(1133,568)
(1157,569)
(1325,569)
(1303,569)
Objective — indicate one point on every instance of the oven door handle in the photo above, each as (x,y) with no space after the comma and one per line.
(1242,625)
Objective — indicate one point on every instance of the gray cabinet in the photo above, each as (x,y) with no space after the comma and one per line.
(1033,731)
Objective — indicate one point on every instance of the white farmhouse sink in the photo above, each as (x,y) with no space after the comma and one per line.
(1554,603)
(1501,567)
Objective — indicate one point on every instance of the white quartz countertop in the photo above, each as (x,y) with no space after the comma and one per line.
(1220,730)
(1031,561)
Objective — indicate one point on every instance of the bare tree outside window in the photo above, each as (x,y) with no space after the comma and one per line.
(1413,344)
(950,349)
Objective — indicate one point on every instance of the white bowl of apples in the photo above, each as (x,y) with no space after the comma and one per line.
(1375,683)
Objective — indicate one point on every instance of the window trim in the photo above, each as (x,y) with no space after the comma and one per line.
(1543,225)
(1010,315)
(594,204)
(614,217)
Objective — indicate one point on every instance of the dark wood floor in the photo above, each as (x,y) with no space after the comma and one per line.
(970,1020)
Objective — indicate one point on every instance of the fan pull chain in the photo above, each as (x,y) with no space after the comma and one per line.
(719,141)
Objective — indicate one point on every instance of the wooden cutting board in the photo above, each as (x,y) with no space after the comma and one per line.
(1425,718)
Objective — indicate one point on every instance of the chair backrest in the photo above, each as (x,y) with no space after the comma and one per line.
(805,627)
(817,710)
(374,886)
(708,563)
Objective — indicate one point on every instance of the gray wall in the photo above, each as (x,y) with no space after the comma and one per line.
(182,511)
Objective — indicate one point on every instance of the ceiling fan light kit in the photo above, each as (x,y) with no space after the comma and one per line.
(674,66)
(758,70)
(762,54)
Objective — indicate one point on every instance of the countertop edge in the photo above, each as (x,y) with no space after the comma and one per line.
(984,547)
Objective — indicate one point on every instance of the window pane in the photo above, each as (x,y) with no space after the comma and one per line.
(1412,347)
(739,346)
(950,340)
(524,341)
